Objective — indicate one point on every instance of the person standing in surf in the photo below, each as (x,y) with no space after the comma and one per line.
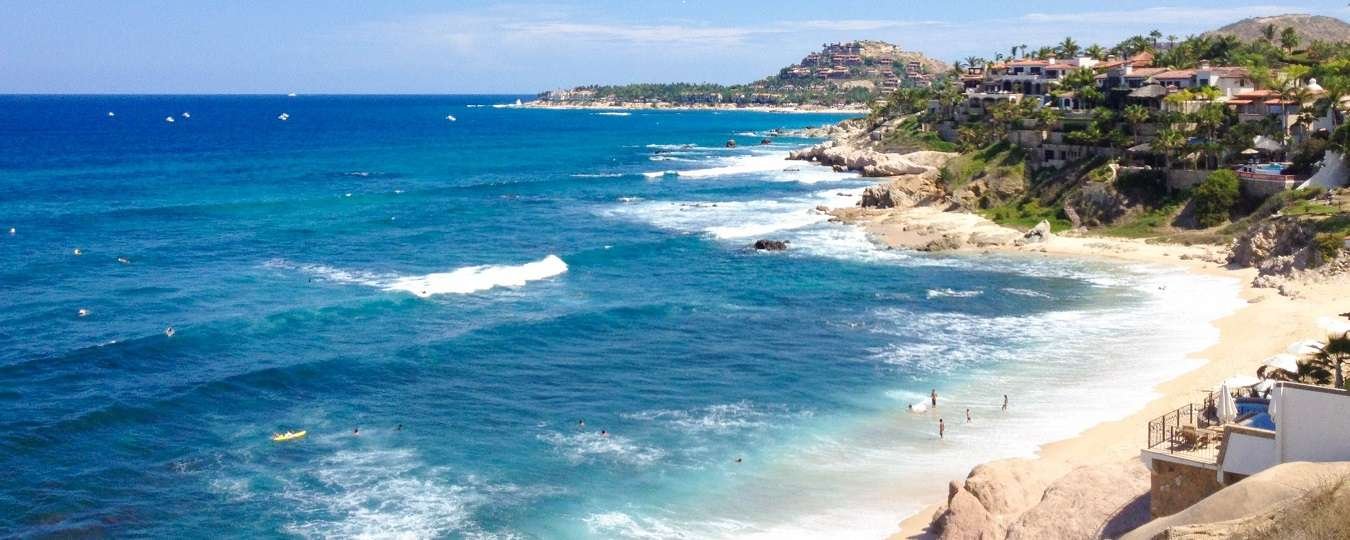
(942,429)
(933,395)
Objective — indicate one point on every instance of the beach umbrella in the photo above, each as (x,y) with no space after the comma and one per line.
(1227,406)
(1334,325)
(1284,361)
(1305,347)
(1239,381)
(1264,386)
(1250,152)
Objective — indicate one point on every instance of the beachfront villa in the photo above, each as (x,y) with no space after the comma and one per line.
(1196,450)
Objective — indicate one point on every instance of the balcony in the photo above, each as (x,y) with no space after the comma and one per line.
(1187,434)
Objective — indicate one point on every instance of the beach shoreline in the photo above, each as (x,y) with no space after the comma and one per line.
(1264,326)
(792,109)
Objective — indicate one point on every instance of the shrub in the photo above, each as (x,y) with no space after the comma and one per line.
(1329,244)
(1215,197)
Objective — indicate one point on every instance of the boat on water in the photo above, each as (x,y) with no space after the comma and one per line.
(289,436)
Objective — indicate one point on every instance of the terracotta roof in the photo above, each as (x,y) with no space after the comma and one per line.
(1145,72)
(1238,101)
(1176,74)
(1029,62)
(1229,71)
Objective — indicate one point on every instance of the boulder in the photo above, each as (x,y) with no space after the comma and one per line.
(965,519)
(1103,501)
(770,245)
(1039,233)
(946,242)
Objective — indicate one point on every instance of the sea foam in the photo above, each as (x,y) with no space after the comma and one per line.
(479,278)
(469,279)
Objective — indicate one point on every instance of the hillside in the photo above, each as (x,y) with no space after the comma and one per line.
(839,74)
(1310,27)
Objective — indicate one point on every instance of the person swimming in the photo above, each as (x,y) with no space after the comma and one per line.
(169,332)
(604,433)
(78,252)
(399,428)
(356,431)
(581,423)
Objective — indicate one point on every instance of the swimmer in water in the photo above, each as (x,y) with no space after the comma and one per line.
(399,428)
(356,431)
(169,332)
(78,252)
(604,433)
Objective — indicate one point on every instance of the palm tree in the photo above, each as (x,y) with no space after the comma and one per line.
(1069,48)
(1095,51)
(1289,38)
(972,62)
(1155,35)
(1136,115)
(1167,143)
(1332,355)
(1023,47)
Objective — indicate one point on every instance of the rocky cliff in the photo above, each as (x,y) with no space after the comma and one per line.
(1020,499)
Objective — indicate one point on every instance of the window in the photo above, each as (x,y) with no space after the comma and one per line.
(1049,155)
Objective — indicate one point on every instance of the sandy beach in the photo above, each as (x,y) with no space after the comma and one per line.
(1266,325)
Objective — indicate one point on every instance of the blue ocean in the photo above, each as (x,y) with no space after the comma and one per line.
(505,322)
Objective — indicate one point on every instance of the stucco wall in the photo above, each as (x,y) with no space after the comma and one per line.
(1313,424)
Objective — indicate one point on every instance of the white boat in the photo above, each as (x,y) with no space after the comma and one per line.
(283,117)
(169,332)
(292,94)
(168,119)
(83,312)
(111,114)
(450,117)
(187,115)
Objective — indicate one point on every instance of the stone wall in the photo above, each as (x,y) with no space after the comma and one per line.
(1175,487)
(1185,178)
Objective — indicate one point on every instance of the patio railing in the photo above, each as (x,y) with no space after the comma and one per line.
(1185,432)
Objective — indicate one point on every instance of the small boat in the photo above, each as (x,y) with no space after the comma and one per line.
(111,114)
(77,252)
(83,312)
(450,117)
(289,436)
(13,231)
(186,115)
(169,332)
(283,117)
(292,94)
(168,119)
(124,260)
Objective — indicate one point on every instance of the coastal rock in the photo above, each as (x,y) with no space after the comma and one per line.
(1103,501)
(1039,233)
(946,242)
(1097,204)
(770,245)
(765,141)
(1276,247)
(882,196)
(966,519)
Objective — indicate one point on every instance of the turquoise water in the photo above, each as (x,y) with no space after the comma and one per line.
(486,284)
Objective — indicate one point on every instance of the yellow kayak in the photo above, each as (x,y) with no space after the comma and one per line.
(289,436)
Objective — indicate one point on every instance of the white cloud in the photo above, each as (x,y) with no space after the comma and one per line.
(639,34)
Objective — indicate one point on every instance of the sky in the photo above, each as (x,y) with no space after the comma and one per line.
(472,46)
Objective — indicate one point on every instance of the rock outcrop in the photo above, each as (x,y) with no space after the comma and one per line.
(1039,233)
(1277,246)
(770,245)
(1089,502)
(1022,499)
(872,163)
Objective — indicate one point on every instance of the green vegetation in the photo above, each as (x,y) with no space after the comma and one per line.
(907,137)
(1028,214)
(1001,160)
(1215,198)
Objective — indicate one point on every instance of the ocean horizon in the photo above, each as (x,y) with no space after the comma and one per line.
(506,322)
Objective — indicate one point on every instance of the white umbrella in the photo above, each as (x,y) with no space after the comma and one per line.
(1334,325)
(1226,405)
(1264,386)
(1305,347)
(1239,381)
(1284,361)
